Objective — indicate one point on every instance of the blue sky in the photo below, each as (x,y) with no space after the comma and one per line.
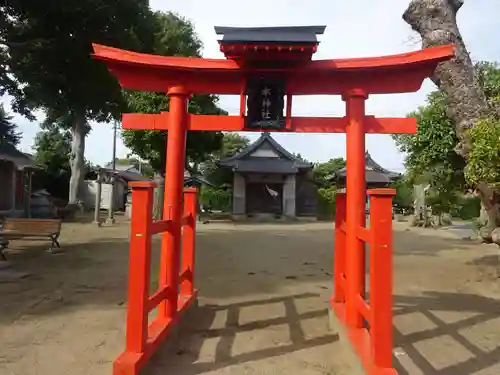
(355,28)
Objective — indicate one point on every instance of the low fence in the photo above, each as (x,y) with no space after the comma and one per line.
(368,322)
(176,291)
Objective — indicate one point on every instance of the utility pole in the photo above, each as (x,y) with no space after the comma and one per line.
(111,214)
(115,125)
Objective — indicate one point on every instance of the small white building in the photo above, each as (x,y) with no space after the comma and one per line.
(90,191)
(123,174)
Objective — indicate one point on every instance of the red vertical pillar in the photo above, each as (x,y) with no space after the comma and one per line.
(188,242)
(355,205)
(174,184)
(381,275)
(139,266)
(339,249)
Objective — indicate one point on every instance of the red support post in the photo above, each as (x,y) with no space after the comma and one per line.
(188,242)
(139,266)
(174,184)
(355,204)
(381,275)
(339,255)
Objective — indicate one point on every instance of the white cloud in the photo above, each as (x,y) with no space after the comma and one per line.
(354,28)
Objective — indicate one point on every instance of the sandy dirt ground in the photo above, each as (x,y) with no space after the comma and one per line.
(264,292)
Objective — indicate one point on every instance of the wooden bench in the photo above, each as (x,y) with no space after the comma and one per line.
(13,229)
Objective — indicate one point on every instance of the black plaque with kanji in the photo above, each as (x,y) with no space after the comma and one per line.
(265,103)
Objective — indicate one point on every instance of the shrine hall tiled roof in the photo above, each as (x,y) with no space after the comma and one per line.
(375,173)
(286,163)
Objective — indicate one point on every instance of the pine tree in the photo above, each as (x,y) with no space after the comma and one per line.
(8,130)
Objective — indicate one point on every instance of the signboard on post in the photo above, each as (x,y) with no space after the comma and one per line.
(265,103)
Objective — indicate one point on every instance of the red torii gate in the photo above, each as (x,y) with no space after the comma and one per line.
(279,59)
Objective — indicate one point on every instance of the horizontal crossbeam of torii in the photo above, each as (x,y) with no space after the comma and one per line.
(371,124)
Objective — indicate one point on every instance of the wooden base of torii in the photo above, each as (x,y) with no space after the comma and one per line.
(368,325)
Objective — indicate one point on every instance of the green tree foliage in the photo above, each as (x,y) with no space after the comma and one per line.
(403,200)
(467,207)
(489,79)
(326,202)
(483,163)
(484,158)
(430,154)
(232,143)
(8,130)
(324,177)
(174,36)
(48,45)
(220,196)
(52,149)
(324,173)
(151,145)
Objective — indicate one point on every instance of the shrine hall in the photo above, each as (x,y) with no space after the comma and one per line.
(271,182)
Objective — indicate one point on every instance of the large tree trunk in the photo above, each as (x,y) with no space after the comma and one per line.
(435,21)
(78,132)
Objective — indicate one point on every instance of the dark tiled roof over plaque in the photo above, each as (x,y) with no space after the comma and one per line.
(281,35)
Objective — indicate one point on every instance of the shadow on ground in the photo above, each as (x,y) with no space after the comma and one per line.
(436,331)
(447,334)
(192,356)
(95,272)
